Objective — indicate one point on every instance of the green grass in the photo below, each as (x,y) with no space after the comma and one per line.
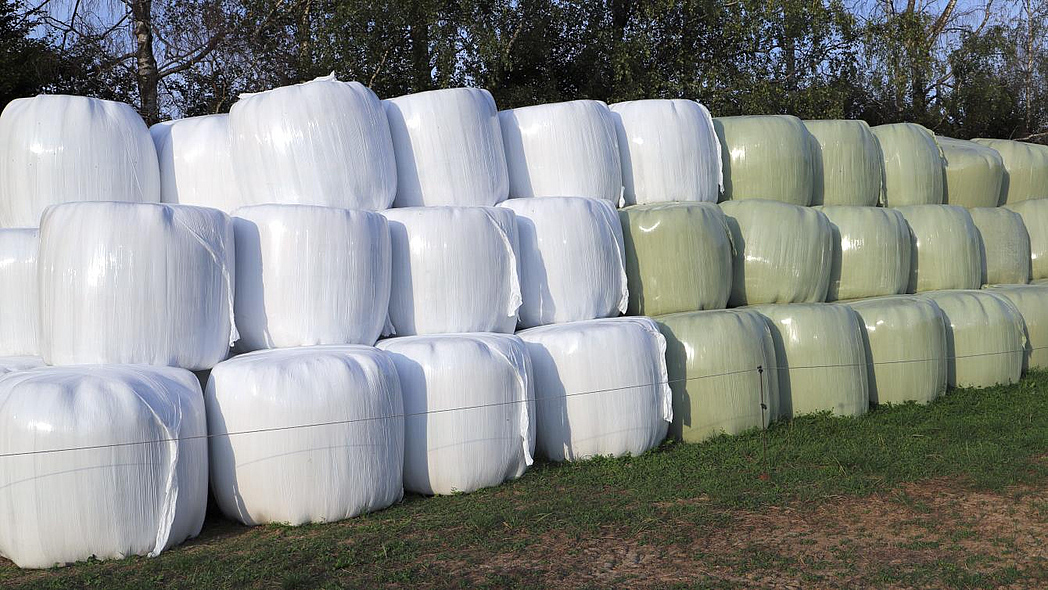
(989,439)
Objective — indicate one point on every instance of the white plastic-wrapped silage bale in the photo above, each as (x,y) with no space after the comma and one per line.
(309,434)
(448,148)
(196,165)
(309,275)
(974,173)
(137,484)
(1035,217)
(847,163)
(58,149)
(1005,246)
(913,165)
(19,292)
(10,364)
(820,357)
(1025,169)
(783,253)
(871,252)
(945,250)
(455,269)
(562,149)
(669,151)
(469,407)
(571,260)
(985,343)
(1032,303)
(766,157)
(136,283)
(601,387)
(323,142)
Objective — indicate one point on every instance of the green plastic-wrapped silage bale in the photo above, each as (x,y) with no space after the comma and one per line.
(945,251)
(1035,216)
(1026,169)
(871,252)
(1005,246)
(913,166)
(848,165)
(783,253)
(985,344)
(820,358)
(1032,303)
(974,173)
(906,347)
(678,257)
(766,157)
(713,359)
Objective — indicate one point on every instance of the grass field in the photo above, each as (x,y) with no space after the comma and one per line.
(954,494)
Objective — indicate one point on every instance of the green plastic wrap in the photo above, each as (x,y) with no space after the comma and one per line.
(783,253)
(913,166)
(1035,216)
(974,173)
(906,346)
(712,357)
(678,257)
(1026,169)
(1032,303)
(985,344)
(848,166)
(820,357)
(871,252)
(945,251)
(766,157)
(1005,246)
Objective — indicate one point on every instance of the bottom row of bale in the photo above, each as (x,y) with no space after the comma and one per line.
(116,460)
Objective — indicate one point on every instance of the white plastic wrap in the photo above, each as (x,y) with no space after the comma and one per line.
(562,149)
(944,251)
(323,142)
(455,269)
(136,283)
(310,275)
(10,364)
(669,151)
(1005,246)
(19,292)
(601,387)
(448,148)
(469,407)
(139,486)
(300,435)
(196,165)
(57,149)
(571,259)
(871,252)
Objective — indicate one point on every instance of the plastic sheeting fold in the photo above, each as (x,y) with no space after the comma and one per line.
(571,259)
(310,275)
(945,251)
(678,257)
(323,142)
(1035,217)
(871,252)
(139,489)
(196,165)
(821,359)
(448,148)
(19,292)
(1005,246)
(301,435)
(1032,303)
(136,283)
(721,367)
(601,387)
(1025,169)
(470,407)
(58,148)
(669,151)
(455,269)
(10,364)
(848,164)
(974,173)
(566,149)
(906,348)
(985,343)
(782,253)
(913,165)
(766,157)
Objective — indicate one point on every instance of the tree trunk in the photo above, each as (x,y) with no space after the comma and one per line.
(147,74)
(419,36)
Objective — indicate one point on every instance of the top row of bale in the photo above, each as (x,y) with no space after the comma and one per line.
(333,143)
